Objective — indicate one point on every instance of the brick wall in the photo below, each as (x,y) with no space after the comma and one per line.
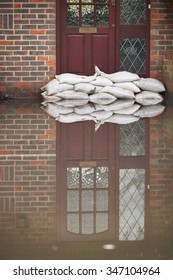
(27,46)
(161,35)
(28,177)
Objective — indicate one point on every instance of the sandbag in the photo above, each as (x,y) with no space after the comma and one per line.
(102,115)
(73,117)
(73,79)
(122,119)
(118,77)
(84,87)
(72,102)
(149,111)
(119,92)
(148,98)
(129,86)
(129,110)
(55,110)
(118,104)
(85,109)
(101,81)
(71,94)
(102,98)
(64,87)
(51,87)
(150,84)
(50,98)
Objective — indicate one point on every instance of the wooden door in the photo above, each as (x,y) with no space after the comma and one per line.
(86,182)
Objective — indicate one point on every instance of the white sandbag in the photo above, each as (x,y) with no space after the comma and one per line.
(119,92)
(85,109)
(71,94)
(98,88)
(55,110)
(149,111)
(128,85)
(50,98)
(101,115)
(102,98)
(122,119)
(150,84)
(84,87)
(73,79)
(118,104)
(101,81)
(129,110)
(51,87)
(72,102)
(148,98)
(64,87)
(73,117)
(118,77)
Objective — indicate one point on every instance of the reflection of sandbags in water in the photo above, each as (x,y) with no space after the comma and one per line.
(129,110)
(73,117)
(119,92)
(128,85)
(72,102)
(148,98)
(101,81)
(84,87)
(73,79)
(51,87)
(50,98)
(102,98)
(118,77)
(55,110)
(118,119)
(149,111)
(150,84)
(85,109)
(102,115)
(118,104)
(71,94)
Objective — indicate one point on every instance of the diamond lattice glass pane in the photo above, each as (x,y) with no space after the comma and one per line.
(102,201)
(87,200)
(87,224)
(102,177)
(72,15)
(73,223)
(132,139)
(102,15)
(133,55)
(101,222)
(133,12)
(72,201)
(87,177)
(73,178)
(131,204)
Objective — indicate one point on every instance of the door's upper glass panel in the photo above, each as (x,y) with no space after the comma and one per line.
(73,177)
(73,15)
(102,177)
(87,177)
(132,139)
(133,12)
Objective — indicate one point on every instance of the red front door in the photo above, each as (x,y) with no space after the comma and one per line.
(87,36)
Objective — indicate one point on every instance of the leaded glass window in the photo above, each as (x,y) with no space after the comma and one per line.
(133,12)
(131,204)
(133,55)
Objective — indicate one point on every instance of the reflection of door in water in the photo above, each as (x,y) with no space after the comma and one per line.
(114,35)
(102,178)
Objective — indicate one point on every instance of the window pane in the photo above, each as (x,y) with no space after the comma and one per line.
(101,222)
(132,11)
(73,178)
(132,139)
(87,15)
(72,15)
(72,201)
(87,224)
(133,55)
(87,177)
(102,177)
(102,15)
(73,223)
(87,201)
(131,204)
(102,201)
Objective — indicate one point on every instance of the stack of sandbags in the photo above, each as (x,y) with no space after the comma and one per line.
(120,97)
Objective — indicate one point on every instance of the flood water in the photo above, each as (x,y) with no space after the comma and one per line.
(52,207)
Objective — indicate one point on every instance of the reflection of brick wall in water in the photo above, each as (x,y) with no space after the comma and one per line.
(27,177)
